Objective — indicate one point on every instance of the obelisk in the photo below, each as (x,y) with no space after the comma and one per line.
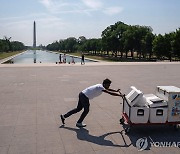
(34,35)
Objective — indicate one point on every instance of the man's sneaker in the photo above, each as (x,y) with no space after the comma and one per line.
(62,119)
(80,125)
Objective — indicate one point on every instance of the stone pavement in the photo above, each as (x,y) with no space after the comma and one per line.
(33,96)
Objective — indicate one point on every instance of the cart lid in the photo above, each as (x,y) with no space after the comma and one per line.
(134,97)
(169,88)
(154,101)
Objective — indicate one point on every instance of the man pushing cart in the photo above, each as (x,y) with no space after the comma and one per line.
(86,95)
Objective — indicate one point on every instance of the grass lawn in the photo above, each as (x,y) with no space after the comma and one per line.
(8,54)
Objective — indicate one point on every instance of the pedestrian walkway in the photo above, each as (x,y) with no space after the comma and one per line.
(33,96)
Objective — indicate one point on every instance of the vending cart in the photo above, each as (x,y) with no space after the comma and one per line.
(151,109)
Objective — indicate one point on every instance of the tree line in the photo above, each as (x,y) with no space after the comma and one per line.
(125,41)
(6,45)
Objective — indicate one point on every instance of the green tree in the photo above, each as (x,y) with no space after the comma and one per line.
(80,43)
(128,41)
(112,37)
(158,46)
(16,45)
(148,44)
(168,49)
(53,46)
(4,47)
(70,44)
(62,45)
(176,43)
(8,43)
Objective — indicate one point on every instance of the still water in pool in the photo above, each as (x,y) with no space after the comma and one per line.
(41,56)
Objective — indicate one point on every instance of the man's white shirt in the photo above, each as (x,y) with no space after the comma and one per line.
(93,91)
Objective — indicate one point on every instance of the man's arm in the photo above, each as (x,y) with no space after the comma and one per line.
(114,90)
(112,93)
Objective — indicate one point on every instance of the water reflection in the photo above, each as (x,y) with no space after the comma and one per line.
(40,56)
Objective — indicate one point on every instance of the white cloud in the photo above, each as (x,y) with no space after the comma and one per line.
(84,6)
(61,7)
(47,3)
(54,6)
(93,4)
(113,10)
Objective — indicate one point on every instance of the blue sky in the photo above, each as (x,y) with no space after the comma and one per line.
(60,19)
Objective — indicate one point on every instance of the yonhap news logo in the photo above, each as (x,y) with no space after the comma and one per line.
(142,144)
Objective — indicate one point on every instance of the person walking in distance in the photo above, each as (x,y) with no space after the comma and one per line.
(59,58)
(64,58)
(82,59)
(85,96)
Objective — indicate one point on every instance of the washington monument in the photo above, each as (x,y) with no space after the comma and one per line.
(34,35)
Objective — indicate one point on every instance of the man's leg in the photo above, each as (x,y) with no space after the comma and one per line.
(85,105)
(84,114)
(77,109)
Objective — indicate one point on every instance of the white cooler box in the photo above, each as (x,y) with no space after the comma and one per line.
(135,107)
(158,108)
(154,101)
(139,114)
(158,115)
(172,95)
(136,114)
(134,98)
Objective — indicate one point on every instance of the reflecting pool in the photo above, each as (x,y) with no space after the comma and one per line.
(41,56)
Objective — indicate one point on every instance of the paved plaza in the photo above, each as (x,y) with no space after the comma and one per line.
(33,96)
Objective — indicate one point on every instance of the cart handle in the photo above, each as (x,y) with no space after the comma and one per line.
(119,90)
(123,95)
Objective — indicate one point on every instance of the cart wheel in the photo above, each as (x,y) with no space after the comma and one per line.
(121,121)
(127,130)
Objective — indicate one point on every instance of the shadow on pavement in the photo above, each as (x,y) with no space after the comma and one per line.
(83,134)
(156,135)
